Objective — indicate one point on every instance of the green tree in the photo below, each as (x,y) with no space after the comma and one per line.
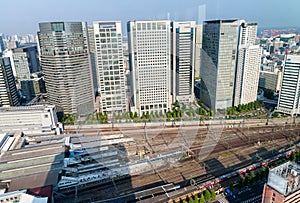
(169,114)
(293,157)
(213,194)
(257,175)
(131,115)
(202,199)
(177,104)
(231,185)
(269,94)
(246,180)
(196,200)
(241,182)
(251,177)
(191,200)
(239,108)
(207,195)
(275,115)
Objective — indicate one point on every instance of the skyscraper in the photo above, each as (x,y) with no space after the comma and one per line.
(2,46)
(8,89)
(198,49)
(218,62)
(25,62)
(150,64)
(183,61)
(288,101)
(64,52)
(110,66)
(248,65)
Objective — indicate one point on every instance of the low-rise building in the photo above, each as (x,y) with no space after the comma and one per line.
(21,197)
(28,119)
(33,87)
(283,184)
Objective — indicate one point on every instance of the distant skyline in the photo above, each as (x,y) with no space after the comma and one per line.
(22,17)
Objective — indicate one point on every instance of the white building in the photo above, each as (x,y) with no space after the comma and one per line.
(248,65)
(110,70)
(21,197)
(288,101)
(39,118)
(150,63)
(183,61)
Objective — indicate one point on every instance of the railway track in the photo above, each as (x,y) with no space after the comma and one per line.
(232,140)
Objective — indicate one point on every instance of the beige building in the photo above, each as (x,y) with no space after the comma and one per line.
(270,79)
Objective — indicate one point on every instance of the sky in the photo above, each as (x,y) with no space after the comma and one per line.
(22,16)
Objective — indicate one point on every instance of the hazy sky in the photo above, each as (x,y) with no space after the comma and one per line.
(23,16)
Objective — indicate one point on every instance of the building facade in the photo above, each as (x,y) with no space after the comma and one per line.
(270,80)
(198,49)
(150,64)
(25,62)
(33,87)
(283,184)
(289,95)
(183,61)
(64,53)
(8,89)
(248,65)
(218,62)
(109,63)
(2,46)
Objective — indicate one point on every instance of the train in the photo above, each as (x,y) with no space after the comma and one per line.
(210,183)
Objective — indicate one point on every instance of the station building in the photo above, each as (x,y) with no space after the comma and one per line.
(28,119)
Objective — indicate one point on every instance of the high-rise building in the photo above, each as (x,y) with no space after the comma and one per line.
(198,49)
(283,184)
(64,52)
(109,63)
(248,65)
(150,64)
(288,101)
(183,61)
(92,56)
(25,61)
(2,46)
(218,62)
(8,89)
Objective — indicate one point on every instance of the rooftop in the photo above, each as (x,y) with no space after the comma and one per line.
(285,178)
